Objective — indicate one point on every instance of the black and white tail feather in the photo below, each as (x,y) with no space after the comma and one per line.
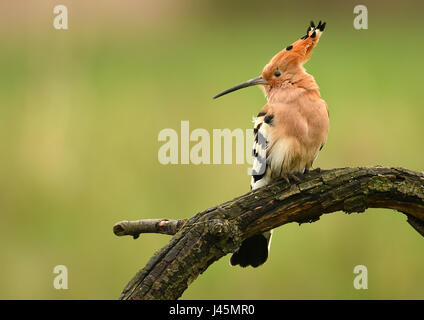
(254,250)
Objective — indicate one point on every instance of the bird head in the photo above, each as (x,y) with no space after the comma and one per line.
(286,63)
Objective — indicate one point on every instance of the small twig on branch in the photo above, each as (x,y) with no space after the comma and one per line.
(215,232)
(135,228)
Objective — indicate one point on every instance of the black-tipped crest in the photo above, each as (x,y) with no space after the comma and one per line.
(320,27)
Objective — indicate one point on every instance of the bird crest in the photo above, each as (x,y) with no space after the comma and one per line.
(296,54)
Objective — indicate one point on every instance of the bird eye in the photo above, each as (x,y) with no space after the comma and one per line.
(277,73)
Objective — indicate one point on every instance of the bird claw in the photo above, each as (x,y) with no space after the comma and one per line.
(295,177)
(290,176)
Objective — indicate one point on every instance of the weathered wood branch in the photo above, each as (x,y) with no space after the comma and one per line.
(135,228)
(215,232)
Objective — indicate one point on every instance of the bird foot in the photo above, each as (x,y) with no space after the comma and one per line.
(290,176)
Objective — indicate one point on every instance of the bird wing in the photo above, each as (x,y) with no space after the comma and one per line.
(262,129)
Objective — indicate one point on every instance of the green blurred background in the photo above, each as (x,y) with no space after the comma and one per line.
(80,113)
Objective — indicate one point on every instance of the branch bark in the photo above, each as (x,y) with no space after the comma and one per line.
(135,228)
(215,232)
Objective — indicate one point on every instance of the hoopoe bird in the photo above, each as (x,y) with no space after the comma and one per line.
(289,131)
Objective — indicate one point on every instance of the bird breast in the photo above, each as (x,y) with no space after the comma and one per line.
(298,131)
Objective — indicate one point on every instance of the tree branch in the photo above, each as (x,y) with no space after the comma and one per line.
(135,228)
(215,232)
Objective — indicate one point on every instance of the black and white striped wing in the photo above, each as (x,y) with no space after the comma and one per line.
(261,132)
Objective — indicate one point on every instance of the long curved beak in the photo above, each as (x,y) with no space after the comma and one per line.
(248,83)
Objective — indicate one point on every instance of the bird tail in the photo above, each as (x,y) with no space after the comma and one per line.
(253,251)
